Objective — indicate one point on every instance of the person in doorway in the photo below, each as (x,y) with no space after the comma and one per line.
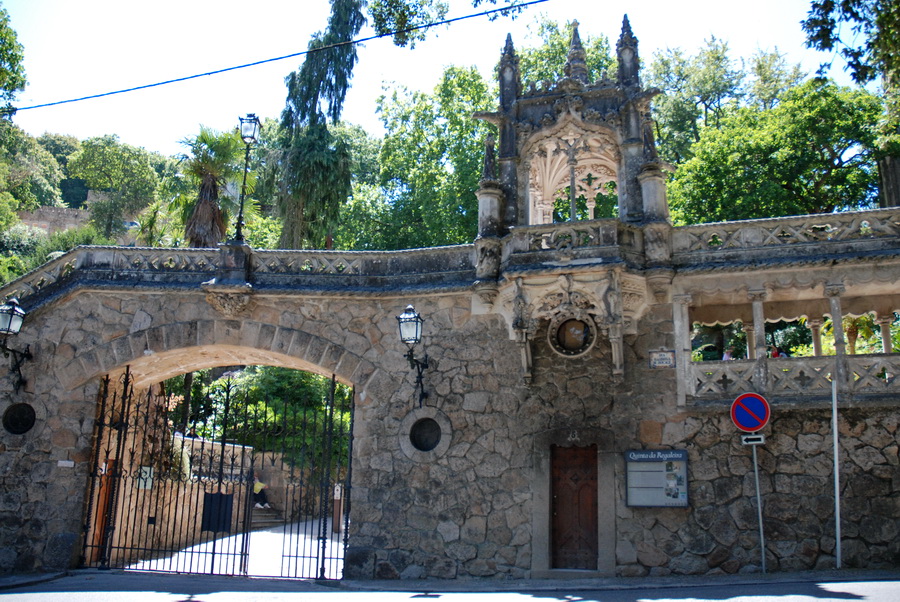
(259,494)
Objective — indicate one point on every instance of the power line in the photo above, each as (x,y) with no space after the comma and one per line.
(279,58)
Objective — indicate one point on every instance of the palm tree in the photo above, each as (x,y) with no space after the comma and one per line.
(214,160)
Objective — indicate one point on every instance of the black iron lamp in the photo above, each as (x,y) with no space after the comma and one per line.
(410,323)
(11,318)
(249,134)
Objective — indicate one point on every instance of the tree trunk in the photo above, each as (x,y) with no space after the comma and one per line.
(889,175)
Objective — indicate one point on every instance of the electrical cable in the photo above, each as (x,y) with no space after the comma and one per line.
(272,60)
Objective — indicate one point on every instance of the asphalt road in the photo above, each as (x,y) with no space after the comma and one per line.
(114,586)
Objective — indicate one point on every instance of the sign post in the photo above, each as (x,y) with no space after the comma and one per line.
(750,412)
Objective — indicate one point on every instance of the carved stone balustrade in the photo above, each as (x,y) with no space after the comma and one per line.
(770,240)
(797,380)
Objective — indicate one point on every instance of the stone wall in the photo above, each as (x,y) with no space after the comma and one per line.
(476,505)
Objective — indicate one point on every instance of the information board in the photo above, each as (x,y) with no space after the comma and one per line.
(656,477)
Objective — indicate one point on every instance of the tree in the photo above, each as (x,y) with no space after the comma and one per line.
(33,175)
(214,160)
(12,71)
(315,165)
(699,92)
(874,49)
(61,146)
(398,17)
(812,153)
(770,78)
(431,160)
(122,174)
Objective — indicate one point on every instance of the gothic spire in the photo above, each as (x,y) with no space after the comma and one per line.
(627,53)
(510,84)
(576,64)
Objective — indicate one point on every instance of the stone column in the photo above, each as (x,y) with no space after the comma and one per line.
(884,323)
(759,322)
(760,373)
(653,192)
(815,326)
(833,292)
(682,332)
(751,341)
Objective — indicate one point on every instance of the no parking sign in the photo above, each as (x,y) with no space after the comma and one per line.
(750,412)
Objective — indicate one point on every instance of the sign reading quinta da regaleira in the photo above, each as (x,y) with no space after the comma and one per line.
(656,477)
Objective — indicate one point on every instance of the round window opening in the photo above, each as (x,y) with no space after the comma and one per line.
(425,434)
(571,336)
(18,418)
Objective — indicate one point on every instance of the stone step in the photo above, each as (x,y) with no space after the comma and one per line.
(265,517)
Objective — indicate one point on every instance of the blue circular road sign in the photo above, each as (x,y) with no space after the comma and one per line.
(750,412)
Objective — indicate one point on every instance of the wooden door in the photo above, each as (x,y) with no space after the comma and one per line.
(573,507)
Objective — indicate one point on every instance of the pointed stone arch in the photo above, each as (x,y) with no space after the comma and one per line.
(594,151)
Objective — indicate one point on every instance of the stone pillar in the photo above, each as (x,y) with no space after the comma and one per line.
(653,192)
(751,341)
(759,322)
(682,332)
(490,198)
(833,292)
(815,326)
(760,373)
(884,323)
(234,263)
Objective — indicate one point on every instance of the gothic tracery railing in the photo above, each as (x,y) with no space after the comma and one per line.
(830,227)
(868,375)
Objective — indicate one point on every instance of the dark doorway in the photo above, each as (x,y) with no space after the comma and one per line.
(573,507)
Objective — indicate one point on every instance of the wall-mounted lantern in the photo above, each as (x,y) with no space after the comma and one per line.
(11,318)
(410,324)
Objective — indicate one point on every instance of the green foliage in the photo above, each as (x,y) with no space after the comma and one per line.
(21,240)
(317,90)
(32,175)
(397,17)
(546,62)
(873,45)
(73,190)
(123,176)
(431,161)
(268,408)
(12,70)
(770,78)
(812,153)
(316,182)
(699,91)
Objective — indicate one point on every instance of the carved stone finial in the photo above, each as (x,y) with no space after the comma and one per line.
(508,50)
(489,171)
(627,37)
(576,63)
(627,54)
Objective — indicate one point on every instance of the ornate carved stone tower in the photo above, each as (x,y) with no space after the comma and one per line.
(574,131)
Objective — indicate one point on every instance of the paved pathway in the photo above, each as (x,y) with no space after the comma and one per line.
(289,550)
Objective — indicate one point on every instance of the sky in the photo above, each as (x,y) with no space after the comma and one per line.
(76,48)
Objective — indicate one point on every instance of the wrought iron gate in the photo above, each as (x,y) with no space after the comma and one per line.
(163,500)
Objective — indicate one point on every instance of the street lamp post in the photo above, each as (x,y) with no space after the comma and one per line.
(249,134)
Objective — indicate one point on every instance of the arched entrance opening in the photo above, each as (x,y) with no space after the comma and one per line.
(245,473)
